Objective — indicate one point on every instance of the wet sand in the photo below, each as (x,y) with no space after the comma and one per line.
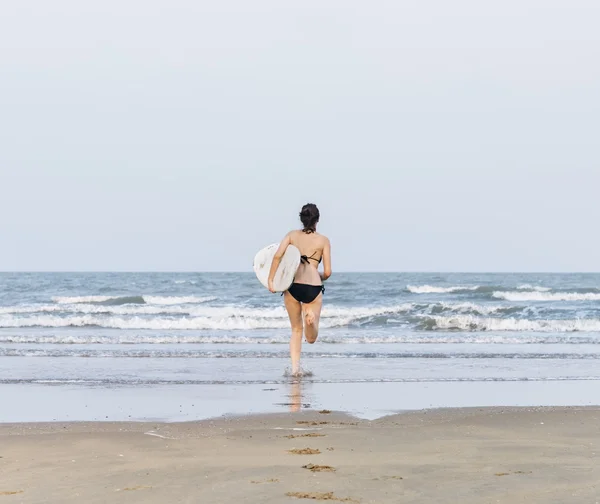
(475,455)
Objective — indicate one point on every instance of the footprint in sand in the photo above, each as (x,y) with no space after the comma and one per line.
(304,451)
(513,472)
(318,468)
(310,434)
(131,489)
(320,496)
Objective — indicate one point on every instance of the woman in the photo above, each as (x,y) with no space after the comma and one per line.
(304,298)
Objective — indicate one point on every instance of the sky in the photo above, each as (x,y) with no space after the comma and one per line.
(185,135)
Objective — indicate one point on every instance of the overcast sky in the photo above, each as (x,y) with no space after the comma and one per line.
(186,134)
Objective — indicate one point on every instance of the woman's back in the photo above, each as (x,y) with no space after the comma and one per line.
(311,247)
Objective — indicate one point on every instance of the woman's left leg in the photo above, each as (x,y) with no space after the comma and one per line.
(294,309)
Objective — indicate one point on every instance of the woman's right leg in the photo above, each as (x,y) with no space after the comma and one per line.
(294,309)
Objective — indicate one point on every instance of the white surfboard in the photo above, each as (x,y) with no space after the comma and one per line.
(284,276)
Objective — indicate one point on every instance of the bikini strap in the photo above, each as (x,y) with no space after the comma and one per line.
(305,258)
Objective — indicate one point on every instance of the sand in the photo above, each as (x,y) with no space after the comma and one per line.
(477,455)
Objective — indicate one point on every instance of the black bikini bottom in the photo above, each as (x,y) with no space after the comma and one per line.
(305,293)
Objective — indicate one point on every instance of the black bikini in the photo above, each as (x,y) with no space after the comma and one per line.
(305,293)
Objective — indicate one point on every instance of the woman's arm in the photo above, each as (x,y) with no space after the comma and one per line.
(326,260)
(277,259)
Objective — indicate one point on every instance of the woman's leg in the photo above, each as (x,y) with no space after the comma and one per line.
(312,315)
(294,309)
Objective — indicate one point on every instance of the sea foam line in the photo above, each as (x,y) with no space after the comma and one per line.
(72,314)
(530,287)
(157,300)
(229,322)
(473,323)
(426,338)
(547,296)
(213,312)
(431,289)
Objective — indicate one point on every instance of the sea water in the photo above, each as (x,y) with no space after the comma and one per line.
(108,330)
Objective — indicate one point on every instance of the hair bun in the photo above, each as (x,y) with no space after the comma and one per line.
(309,215)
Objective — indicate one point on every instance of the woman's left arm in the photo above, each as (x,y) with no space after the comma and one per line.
(326,260)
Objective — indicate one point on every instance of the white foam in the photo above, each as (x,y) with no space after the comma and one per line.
(135,322)
(430,289)
(156,300)
(547,296)
(533,288)
(188,317)
(472,307)
(205,310)
(132,338)
(81,299)
(30,309)
(282,337)
(134,309)
(201,318)
(176,300)
(473,323)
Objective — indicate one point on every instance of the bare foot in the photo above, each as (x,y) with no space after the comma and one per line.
(309,317)
(298,373)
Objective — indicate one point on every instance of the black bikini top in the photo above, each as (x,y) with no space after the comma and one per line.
(304,259)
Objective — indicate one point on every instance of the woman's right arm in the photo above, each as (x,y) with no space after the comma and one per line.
(277,259)
(326,260)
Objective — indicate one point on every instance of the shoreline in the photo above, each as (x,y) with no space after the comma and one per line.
(312,415)
(172,403)
(467,455)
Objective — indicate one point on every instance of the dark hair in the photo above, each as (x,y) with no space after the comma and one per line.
(309,215)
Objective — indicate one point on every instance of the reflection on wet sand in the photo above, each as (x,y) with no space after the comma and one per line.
(295,396)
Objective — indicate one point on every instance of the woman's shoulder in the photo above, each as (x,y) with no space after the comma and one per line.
(298,233)
(322,236)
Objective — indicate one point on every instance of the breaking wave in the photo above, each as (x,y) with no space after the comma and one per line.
(201,318)
(231,317)
(473,323)
(473,308)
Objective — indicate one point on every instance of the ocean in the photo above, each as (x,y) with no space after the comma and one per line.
(94,331)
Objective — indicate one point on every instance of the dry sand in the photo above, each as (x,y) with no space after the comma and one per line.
(489,455)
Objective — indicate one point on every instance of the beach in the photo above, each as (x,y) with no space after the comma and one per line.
(472,455)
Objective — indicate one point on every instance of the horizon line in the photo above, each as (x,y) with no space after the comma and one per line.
(429,272)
